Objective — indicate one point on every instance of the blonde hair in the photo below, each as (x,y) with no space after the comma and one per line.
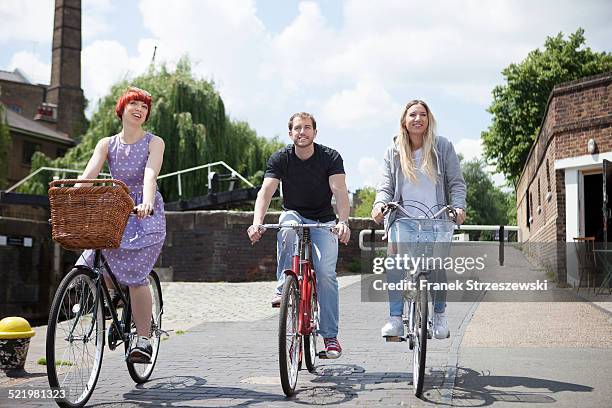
(429,144)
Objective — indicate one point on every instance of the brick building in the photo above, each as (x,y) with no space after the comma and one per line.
(560,193)
(47,117)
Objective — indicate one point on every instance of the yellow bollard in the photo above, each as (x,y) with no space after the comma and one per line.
(15,334)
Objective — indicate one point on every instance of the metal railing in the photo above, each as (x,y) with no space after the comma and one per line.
(178,174)
(204,166)
(55,169)
(371,233)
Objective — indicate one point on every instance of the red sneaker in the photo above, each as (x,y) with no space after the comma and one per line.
(332,347)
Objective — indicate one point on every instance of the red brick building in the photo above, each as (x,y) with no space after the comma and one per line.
(47,117)
(560,193)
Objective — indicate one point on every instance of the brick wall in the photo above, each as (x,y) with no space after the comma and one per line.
(25,272)
(577,111)
(18,169)
(213,246)
(200,246)
(26,97)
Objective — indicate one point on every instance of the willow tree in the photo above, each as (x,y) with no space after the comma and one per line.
(5,149)
(189,114)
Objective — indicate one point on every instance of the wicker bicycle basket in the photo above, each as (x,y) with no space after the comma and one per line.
(91,217)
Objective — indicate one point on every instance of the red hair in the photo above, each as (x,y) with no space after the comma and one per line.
(133,94)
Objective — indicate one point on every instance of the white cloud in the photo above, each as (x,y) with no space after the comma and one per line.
(352,72)
(370,170)
(365,106)
(104,63)
(96,20)
(472,149)
(36,70)
(30,20)
(469,148)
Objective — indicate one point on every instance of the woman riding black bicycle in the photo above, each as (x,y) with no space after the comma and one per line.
(134,157)
(421,167)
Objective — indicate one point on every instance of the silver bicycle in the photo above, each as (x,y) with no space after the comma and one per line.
(429,236)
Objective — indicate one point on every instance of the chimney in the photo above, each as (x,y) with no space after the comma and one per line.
(65,91)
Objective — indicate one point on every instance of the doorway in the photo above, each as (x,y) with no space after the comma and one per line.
(593,202)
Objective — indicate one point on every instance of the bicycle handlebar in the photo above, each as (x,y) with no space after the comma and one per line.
(296,226)
(135,211)
(395,205)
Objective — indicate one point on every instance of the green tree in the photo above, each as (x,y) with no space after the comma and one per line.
(486,203)
(363,200)
(190,116)
(518,106)
(5,149)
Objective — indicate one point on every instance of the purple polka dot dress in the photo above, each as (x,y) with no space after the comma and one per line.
(143,238)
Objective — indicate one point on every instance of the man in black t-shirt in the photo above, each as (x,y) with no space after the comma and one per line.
(311,174)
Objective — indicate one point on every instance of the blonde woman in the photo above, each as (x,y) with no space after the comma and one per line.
(420,166)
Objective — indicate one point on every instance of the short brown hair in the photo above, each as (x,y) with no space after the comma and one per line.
(302,115)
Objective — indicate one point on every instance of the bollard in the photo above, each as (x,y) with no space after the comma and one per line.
(15,334)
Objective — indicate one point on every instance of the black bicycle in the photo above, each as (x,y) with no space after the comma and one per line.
(76,332)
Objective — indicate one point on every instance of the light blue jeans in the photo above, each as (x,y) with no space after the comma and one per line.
(410,237)
(324,257)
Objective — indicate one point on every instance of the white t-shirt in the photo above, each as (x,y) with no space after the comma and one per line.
(423,190)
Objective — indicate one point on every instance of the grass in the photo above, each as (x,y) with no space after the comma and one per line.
(179,332)
(43,361)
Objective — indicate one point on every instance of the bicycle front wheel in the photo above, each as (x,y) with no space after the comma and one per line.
(419,329)
(289,339)
(75,338)
(140,373)
(310,341)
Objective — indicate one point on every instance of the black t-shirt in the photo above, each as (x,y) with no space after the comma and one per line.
(306,182)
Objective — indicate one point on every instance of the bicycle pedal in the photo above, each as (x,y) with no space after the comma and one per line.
(323,355)
(394,339)
(137,360)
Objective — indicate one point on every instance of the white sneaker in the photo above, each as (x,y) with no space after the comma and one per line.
(440,326)
(393,328)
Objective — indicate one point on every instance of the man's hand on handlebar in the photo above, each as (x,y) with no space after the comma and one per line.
(255,233)
(343,231)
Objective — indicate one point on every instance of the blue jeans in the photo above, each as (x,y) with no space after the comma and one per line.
(405,237)
(324,257)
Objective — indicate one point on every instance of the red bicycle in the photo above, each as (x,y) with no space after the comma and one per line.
(299,309)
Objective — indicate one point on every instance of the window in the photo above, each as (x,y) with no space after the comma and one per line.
(548,175)
(29,149)
(528,208)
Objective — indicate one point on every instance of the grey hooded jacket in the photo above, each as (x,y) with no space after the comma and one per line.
(450,188)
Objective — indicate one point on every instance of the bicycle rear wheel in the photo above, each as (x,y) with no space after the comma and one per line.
(310,341)
(419,329)
(75,338)
(289,339)
(140,373)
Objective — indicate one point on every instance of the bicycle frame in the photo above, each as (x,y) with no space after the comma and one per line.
(301,268)
(99,262)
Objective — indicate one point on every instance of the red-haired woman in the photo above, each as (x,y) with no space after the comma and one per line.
(134,157)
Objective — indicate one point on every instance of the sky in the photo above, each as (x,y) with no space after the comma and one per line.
(353,64)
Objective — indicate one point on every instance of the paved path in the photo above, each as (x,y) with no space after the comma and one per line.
(500,354)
